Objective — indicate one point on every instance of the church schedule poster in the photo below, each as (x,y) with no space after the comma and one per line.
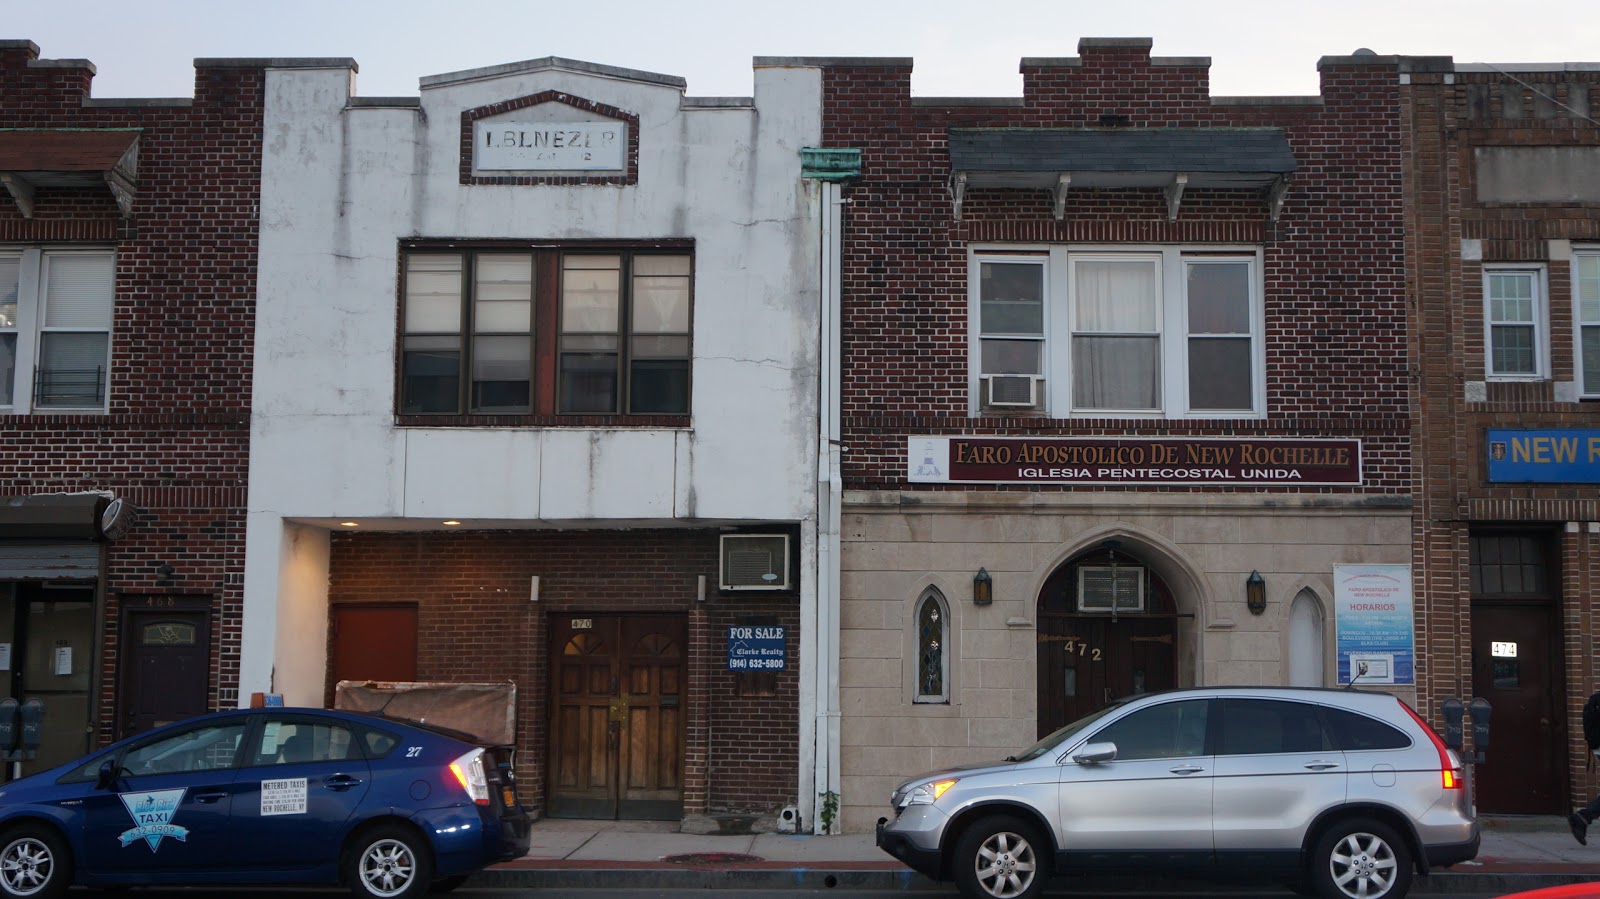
(1372,617)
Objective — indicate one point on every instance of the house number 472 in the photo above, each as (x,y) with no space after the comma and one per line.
(1083,649)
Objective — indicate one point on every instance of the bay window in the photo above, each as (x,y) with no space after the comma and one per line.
(1148,332)
(495,331)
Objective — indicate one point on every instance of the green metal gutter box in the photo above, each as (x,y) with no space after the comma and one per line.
(830,164)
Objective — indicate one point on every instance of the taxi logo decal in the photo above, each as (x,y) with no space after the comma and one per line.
(152,813)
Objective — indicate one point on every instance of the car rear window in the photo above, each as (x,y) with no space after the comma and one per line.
(1256,726)
(1353,732)
(377,743)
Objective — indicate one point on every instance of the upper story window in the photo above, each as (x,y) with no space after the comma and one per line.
(55,329)
(496,331)
(1160,332)
(1515,323)
(1586,320)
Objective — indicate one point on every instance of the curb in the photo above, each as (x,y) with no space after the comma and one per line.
(574,875)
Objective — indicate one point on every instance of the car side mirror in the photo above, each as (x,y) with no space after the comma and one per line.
(1095,753)
(108,775)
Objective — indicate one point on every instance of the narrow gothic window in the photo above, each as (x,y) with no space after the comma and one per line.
(932,639)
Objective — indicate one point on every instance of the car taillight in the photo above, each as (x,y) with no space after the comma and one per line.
(1449,774)
(468,771)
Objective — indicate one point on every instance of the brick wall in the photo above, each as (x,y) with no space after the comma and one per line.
(1448,113)
(476,623)
(1334,263)
(176,439)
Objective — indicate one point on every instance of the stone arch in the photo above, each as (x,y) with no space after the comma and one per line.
(1130,644)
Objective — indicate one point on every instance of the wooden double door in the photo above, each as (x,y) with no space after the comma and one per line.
(1087,657)
(617,716)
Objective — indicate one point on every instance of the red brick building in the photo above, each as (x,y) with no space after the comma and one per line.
(1124,391)
(1501,203)
(127,298)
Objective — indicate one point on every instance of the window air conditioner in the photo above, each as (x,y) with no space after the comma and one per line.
(755,562)
(1021,391)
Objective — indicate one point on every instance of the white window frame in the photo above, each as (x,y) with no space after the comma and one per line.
(1591,254)
(1172,274)
(975,290)
(1540,324)
(29,330)
(1138,604)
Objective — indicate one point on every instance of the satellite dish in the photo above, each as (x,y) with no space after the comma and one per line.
(116,519)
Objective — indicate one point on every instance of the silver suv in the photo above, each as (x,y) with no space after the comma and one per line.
(1344,792)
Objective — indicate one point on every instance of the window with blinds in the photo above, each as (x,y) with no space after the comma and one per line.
(55,328)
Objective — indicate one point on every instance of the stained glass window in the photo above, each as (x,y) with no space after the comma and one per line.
(932,638)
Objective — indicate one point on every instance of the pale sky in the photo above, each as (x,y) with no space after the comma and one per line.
(147,48)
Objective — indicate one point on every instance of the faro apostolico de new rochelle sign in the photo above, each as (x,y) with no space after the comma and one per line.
(1133,460)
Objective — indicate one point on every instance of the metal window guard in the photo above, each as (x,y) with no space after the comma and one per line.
(69,387)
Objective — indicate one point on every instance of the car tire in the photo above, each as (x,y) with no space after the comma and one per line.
(1360,854)
(1001,858)
(34,863)
(388,862)
(446,884)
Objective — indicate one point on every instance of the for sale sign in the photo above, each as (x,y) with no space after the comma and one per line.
(756,647)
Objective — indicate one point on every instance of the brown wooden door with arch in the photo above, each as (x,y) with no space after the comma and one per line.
(616,716)
(1088,657)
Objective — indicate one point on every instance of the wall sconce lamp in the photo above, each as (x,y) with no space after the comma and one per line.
(1255,593)
(164,573)
(982,588)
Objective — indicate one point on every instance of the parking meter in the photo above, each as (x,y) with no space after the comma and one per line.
(32,715)
(1453,735)
(8,728)
(1479,709)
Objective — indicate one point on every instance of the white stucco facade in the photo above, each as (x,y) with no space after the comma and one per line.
(345,181)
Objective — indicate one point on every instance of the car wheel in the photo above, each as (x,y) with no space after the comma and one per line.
(1001,858)
(33,863)
(446,884)
(1361,859)
(388,862)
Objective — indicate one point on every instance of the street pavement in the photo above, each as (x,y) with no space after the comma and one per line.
(1518,853)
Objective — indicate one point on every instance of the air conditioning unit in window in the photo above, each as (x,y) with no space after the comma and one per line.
(755,562)
(1014,391)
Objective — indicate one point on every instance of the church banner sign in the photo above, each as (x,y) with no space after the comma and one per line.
(1372,616)
(1134,460)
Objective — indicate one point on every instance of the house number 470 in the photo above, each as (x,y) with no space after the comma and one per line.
(1083,649)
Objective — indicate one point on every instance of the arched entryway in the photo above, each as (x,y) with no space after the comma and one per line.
(1108,628)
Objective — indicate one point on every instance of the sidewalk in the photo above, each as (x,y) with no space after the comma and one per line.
(1517,854)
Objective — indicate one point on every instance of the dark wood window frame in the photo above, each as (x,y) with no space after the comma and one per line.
(544,408)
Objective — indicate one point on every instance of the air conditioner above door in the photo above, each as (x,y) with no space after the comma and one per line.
(755,562)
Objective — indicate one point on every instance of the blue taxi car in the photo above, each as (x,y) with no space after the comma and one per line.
(306,796)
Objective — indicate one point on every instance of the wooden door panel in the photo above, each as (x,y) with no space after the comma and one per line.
(374,642)
(1087,661)
(627,765)
(168,677)
(1524,773)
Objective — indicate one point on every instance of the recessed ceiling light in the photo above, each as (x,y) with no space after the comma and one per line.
(452,522)
(350,524)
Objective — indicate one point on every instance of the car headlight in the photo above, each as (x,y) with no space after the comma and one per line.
(925,794)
